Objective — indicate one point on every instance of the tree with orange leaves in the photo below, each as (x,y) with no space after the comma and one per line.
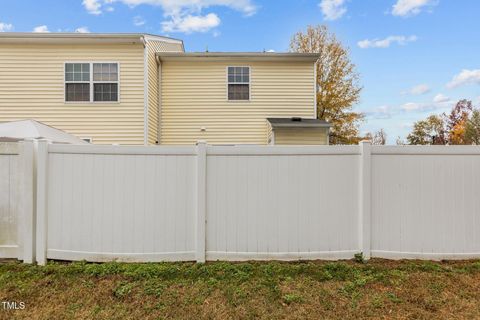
(338,87)
(456,121)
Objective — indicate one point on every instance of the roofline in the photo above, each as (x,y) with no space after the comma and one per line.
(75,37)
(206,56)
(299,124)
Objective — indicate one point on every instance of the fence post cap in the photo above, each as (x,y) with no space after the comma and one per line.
(201,142)
(365,142)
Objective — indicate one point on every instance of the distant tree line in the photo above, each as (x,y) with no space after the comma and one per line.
(461,126)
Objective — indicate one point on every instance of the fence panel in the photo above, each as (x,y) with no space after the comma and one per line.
(121,203)
(425,202)
(282,202)
(102,203)
(9,179)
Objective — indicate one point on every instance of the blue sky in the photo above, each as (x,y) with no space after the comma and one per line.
(415,57)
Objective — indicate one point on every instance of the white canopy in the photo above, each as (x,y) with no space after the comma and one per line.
(20,130)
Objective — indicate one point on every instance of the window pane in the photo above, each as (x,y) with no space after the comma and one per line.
(105,72)
(97,68)
(238,74)
(105,92)
(77,92)
(238,92)
(77,72)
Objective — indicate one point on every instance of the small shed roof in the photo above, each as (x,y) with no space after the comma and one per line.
(295,122)
(31,129)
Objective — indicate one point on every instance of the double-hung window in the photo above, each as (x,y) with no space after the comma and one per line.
(238,83)
(91,82)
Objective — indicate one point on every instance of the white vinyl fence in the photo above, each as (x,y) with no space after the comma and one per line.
(127,203)
(198,203)
(282,202)
(16,200)
(426,202)
(8,199)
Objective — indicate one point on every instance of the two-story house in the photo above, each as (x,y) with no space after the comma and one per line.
(145,89)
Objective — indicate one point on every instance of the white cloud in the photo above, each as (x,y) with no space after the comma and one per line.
(465,77)
(405,8)
(5,27)
(439,98)
(332,9)
(440,101)
(138,21)
(82,30)
(410,106)
(420,89)
(93,6)
(382,112)
(182,15)
(189,23)
(43,28)
(385,43)
(176,7)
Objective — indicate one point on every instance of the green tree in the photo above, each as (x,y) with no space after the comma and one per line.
(472,128)
(338,87)
(428,131)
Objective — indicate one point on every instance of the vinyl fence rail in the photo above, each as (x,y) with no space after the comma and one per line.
(203,202)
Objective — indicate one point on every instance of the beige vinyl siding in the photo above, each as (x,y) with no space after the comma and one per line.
(301,136)
(32,87)
(194,95)
(153,82)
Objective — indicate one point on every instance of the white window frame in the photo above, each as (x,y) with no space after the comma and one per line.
(91,83)
(249,83)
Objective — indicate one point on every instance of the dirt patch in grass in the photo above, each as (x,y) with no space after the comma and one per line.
(378,289)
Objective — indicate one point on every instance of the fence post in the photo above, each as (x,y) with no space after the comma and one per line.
(42,167)
(200,223)
(365,198)
(26,196)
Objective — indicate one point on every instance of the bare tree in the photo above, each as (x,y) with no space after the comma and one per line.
(378,138)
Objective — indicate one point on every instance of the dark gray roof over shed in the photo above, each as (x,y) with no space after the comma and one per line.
(298,123)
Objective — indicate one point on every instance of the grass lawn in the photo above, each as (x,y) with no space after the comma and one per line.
(220,290)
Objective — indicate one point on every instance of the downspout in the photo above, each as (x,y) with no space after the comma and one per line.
(145,91)
(159,106)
